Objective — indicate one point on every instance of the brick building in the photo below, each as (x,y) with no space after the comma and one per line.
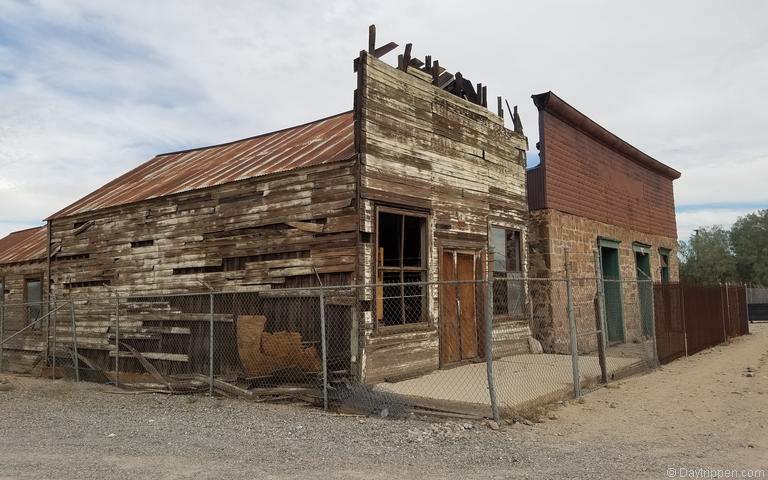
(592,190)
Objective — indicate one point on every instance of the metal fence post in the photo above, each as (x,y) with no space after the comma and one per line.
(653,326)
(324,349)
(601,320)
(747,293)
(53,350)
(210,349)
(722,311)
(2,324)
(489,338)
(117,341)
(682,315)
(572,328)
(74,339)
(728,318)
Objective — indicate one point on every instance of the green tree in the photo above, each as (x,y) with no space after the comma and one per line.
(749,242)
(707,258)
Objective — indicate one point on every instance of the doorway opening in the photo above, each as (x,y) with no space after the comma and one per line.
(614,312)
(644,286)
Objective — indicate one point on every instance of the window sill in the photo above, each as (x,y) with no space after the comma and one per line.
(383,331)
(497,319)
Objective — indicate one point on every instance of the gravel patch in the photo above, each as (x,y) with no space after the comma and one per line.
(698,412)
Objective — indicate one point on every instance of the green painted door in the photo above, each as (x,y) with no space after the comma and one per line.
(644,286)
(612,287)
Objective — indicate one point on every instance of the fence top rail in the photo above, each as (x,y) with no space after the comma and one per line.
(316,290)
(310,291)
(34,304)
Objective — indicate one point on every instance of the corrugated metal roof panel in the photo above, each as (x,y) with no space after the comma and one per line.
(316,143)
(24,245)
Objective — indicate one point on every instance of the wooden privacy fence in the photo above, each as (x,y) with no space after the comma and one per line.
(691,318)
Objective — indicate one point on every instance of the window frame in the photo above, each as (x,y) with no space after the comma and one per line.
(27,310)
(426,321)
(509,315)
(664,253)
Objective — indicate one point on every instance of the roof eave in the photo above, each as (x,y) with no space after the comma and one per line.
(558,107)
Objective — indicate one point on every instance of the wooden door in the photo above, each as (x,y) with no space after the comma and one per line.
(613,300)
(458,312)
(450,342)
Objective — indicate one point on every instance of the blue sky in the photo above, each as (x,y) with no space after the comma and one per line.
(90,89)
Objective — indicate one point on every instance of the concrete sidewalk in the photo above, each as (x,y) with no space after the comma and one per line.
(521,380)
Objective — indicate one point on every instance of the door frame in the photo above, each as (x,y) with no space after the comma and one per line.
(611,244)
(476,254)
(643,251)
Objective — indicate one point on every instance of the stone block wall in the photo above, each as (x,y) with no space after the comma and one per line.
(550,233)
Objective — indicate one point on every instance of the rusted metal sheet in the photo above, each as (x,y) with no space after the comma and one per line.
(557,106)
(24,245)
(320,142)
(589,172)
(535,184)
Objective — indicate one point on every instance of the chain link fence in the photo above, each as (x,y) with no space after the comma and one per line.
(40,337)
(405,346)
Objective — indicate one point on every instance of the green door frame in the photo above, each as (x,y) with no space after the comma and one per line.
(614,313)
(644,284)
(664,254)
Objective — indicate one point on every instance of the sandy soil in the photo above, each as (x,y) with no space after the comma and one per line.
(707,411)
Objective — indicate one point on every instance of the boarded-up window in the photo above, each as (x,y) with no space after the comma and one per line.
(508,291)
(401,268)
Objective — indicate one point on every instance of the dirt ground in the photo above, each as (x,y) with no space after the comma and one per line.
(707,411)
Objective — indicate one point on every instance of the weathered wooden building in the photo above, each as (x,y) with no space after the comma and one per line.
(23,297)
(592,190)
(410,186)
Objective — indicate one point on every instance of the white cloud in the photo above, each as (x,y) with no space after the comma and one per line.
(688,221)
(91,88)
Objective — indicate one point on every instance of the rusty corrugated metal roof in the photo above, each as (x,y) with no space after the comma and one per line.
(24,245)
(322,141)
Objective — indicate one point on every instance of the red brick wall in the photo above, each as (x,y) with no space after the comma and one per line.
(586,178)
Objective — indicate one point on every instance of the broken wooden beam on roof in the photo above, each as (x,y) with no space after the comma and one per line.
(371,39)
(377,52)
(429,70)
(406,57)
(415,62)
(384,49)
(516,122)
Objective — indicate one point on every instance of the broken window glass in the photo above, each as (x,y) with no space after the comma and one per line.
(401,267)
(508,291)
